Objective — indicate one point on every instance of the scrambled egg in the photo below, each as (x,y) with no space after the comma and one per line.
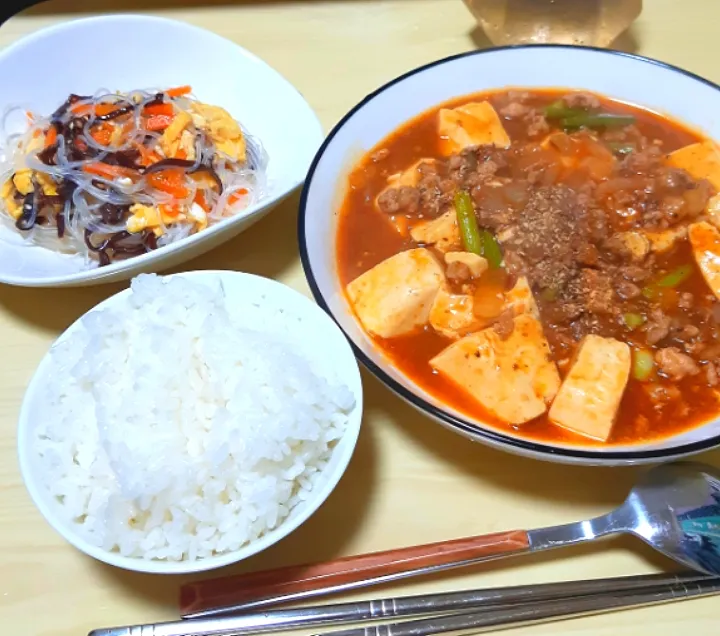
(23,182)
(148,217)
(171,138)
(198,215)
(143,217)
(14,207)
(224,131)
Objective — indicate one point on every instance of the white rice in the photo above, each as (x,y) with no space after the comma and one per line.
(173,430)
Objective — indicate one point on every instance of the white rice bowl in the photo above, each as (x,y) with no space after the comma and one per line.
(177,423)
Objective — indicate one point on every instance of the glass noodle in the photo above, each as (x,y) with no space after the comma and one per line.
(90,212)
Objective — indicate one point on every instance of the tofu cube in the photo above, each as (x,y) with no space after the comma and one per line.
(701,160)
(408,178)
(590,395)
(442,232)
(473,124)
(452,314)
(705,243)
(394,297)
(713,210)
(513,379)
(664,240)
(465,265)
(637,244)
(521,300)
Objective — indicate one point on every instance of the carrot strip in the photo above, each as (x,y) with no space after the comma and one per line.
(159,109)
(51,136)
(171,181)
(158,122)
(108,171)
(147,156)
(202,201)
(178,91)
(97,109)
(236,196)
(102,134)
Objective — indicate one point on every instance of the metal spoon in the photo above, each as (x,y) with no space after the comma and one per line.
(675,508)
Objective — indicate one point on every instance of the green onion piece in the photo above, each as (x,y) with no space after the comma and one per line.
(558,110)
(491,249)
(620,148)
(596,120)
(643,364)
(677,276)
(467,223)
(650,292)
(673,279)
(548,294)
(633,321)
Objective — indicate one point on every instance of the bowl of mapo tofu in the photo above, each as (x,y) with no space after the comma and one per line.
(528,249)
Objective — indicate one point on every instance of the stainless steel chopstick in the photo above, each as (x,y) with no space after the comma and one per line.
(404,606)
(535,612)
(409,605)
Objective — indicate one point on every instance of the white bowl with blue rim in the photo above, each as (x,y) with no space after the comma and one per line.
(687,98)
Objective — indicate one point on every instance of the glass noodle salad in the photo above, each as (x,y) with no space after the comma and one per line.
(115,175)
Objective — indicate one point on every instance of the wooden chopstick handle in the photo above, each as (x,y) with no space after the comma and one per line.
(264,588)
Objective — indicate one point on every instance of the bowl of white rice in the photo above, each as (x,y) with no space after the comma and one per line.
(190,421)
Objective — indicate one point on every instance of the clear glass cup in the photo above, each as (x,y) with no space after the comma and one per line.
(589,22)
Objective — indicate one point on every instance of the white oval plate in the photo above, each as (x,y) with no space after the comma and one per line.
(307,325)
(126,52)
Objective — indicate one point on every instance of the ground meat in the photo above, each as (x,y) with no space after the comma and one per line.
(514,264)
(536,124)
(586,324)
(685,301)
(460,167)
(675,364)
(627,290)
(561,312)
(403,199)
(458,271)
(547,236)
(657,328)
(711,374)
(662,394)
(642,161)
(561,342)
(434,197)
(588,254)
(675,179)
(595,222)
(515,109)
(593,289)
(505,324)
(688,331)
(634,273)
(581,100)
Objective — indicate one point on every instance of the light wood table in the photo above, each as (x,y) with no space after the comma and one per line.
(410,481)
